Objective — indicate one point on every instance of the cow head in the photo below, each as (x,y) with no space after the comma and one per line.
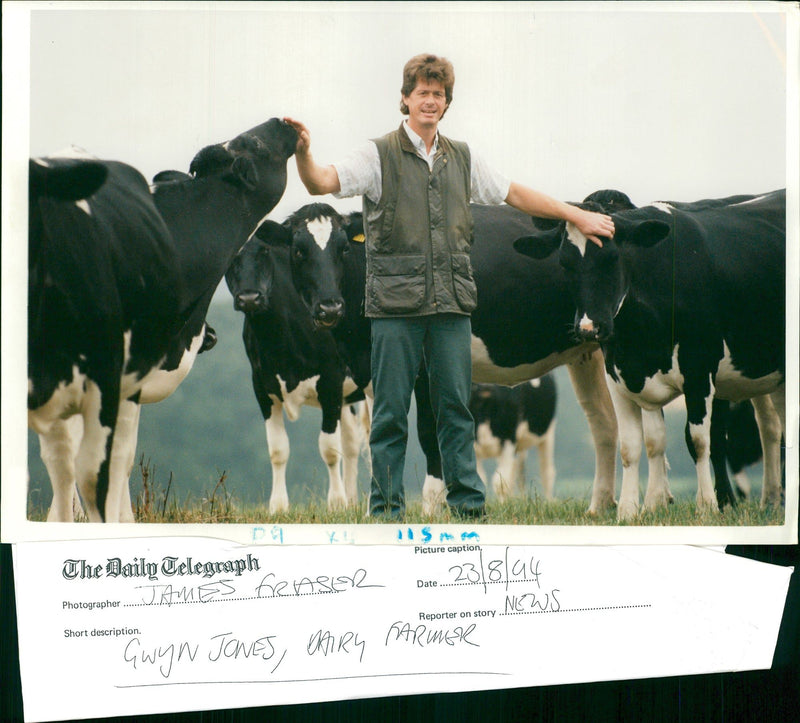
(610,200)
(319,239)
(254,161)
(249,277)
(596,276)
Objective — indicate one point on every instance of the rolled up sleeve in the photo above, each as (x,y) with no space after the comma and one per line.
(488,186)
(360,173)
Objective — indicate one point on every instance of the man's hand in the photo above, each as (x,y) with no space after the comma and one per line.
(303,136)
(317,179)
(594,225)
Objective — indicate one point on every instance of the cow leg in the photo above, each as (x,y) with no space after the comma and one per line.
(351,449)
(480,467)
(629,418)
(655,441)
(743,485)
(769,429)
(720,413)
(778,399)
(278,446)
(504,477)
(434,492)
(366,424)
(330,449)
(434,495)
(545,452)
(57,448)
(518,472)
(94,454)
(126,436)
(591,390)
(698,414)
(329,393)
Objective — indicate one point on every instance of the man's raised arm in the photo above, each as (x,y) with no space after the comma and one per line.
(317,179)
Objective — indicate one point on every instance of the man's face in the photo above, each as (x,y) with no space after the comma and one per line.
(426,104)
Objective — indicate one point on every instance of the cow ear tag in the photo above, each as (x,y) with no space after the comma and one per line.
(359,238)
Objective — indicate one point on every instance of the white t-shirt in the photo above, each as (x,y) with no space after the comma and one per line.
(360,173)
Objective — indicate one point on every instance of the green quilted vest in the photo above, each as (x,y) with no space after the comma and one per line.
(418,236)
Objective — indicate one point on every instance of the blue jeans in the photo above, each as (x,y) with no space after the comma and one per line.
(398,347)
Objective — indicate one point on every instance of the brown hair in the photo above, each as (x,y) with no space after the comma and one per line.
(427,67)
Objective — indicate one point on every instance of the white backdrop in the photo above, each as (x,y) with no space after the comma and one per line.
(658,103)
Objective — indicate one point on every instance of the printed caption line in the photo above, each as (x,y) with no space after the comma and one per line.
(230,599)
(576,610)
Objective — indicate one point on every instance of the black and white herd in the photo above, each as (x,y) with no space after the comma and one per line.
(687,299)
(120,280)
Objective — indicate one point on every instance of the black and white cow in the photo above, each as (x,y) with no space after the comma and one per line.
(119,286)
(611,201)
(522,327)
(687,298)
(746,430)
(744,444)
(68,181)
(509,421)
(293,363)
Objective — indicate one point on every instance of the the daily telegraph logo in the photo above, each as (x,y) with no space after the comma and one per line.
(139,567)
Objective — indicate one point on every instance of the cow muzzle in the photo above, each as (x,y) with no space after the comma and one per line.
(328,314)
(250,301)
(588,330)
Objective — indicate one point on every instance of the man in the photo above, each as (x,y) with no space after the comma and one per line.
(416,187)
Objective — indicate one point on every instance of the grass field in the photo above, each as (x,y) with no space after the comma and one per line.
(156,503)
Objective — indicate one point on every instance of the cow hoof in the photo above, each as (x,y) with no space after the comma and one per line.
(771,500)
(657,502)
(502,493)
(278,506)
(627,511)
(706,505)
(337,504)
(601,505)
(434,494)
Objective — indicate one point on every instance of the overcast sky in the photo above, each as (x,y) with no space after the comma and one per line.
(665,101)
(660,104)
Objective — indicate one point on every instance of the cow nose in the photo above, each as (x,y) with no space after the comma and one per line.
(587,329)
(328,313)
(247,301)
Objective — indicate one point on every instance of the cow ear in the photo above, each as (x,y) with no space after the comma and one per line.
(243,171)
(170,176)
(539,246)
(640,233)
(545,224)
(274,234)
(69,180)
(354,227)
